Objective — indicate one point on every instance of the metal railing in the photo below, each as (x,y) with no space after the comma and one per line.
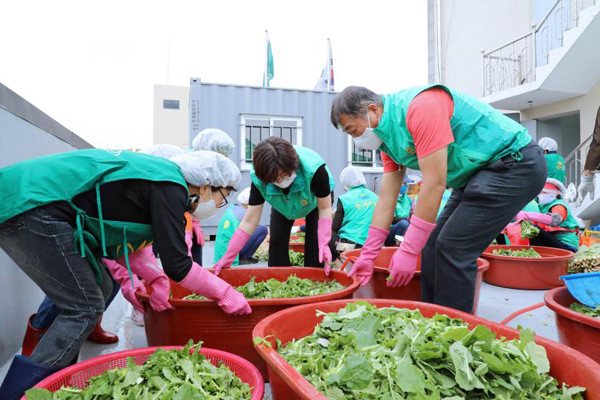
(574,162)
(514,63)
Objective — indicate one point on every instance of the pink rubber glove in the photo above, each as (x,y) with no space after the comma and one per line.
(121,275)
(404,260)
(189,235)
(144,264)
(363,267)
(198,232)
(545,219)
(202,282)
(324,236)
(236,244)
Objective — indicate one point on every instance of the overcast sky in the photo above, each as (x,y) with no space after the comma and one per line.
(92,65)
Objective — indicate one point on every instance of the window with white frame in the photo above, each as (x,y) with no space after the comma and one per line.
(255,128)
(364,159)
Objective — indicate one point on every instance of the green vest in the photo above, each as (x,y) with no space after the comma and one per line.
(300,200)
(445,197)
(570,238)
(532,206)
(359,205)
(482,134)
(227,227)
(556,167)
(61,177)
(403,205)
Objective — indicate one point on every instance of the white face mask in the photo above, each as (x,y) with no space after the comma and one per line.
(546,198)
(205,210)
(285,183)
(368,140)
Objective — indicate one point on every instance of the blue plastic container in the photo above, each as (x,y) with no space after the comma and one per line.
(585,287)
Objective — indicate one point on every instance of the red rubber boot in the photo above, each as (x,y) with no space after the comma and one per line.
(100,336)
(32,337)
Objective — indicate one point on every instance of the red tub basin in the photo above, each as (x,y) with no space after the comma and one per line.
(567,365)
(297,246)
(576,330)
(77,375)
(377,289)
(527,273)
(204,320)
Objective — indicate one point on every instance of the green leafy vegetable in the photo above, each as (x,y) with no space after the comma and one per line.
(300,239)
(587,259)
(365,352)
(274,289)
(517,253)
(528,230)
(168,374)
(583,309)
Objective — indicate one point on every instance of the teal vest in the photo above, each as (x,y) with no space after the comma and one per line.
(300,200)
(532,206)
(556,167)
(403,205)
(482,134)
(359,205)
(570,238)
(61,177)
(227,227)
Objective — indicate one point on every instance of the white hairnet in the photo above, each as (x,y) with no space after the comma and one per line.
(244,196)
(352,177)
(214,140)
(163,150)
(201,168)
(549,144)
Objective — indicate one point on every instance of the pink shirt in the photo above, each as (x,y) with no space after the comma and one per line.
(428,121)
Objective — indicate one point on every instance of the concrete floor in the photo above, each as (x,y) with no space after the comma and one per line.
(495,304)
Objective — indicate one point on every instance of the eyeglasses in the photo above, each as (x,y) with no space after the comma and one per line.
(225,201)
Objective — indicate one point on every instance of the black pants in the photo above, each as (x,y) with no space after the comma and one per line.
(549,240)
(473,217)
(280,240)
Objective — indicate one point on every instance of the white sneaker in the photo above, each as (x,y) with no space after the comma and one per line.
(137,317)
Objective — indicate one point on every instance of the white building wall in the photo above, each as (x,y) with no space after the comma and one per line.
(171,126)
(467,27)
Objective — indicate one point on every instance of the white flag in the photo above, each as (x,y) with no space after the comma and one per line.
(325,82)
(322,83)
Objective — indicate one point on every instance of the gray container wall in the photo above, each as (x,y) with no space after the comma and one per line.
(20,139)
(221,106)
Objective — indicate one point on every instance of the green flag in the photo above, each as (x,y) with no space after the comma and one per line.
(269,69)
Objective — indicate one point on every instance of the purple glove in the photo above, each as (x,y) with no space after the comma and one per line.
(143,263)
(363,267)
(324,236)
(202,282)
(121,275)
(236,244)
(404,261)
(198,232)
(545,219)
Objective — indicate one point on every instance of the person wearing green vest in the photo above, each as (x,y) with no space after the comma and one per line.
(297,184)
(558,226)
(554,161)
(456,141)
(229,224)
(62,213)
(354,208)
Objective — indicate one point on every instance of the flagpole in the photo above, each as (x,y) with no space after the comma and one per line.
(266,72)
(328,65)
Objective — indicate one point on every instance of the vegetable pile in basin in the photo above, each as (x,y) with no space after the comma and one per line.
(517,253)
(166,375)
(364,352)
(274,289)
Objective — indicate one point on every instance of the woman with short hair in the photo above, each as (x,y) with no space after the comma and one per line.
(296,182)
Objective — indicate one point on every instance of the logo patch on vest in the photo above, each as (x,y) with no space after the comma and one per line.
(410,150)
(304,202)
(226,225)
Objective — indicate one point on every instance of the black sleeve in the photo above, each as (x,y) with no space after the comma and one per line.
(320,182)
(256,199)
(593,157)
(338,217)
(168,203)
